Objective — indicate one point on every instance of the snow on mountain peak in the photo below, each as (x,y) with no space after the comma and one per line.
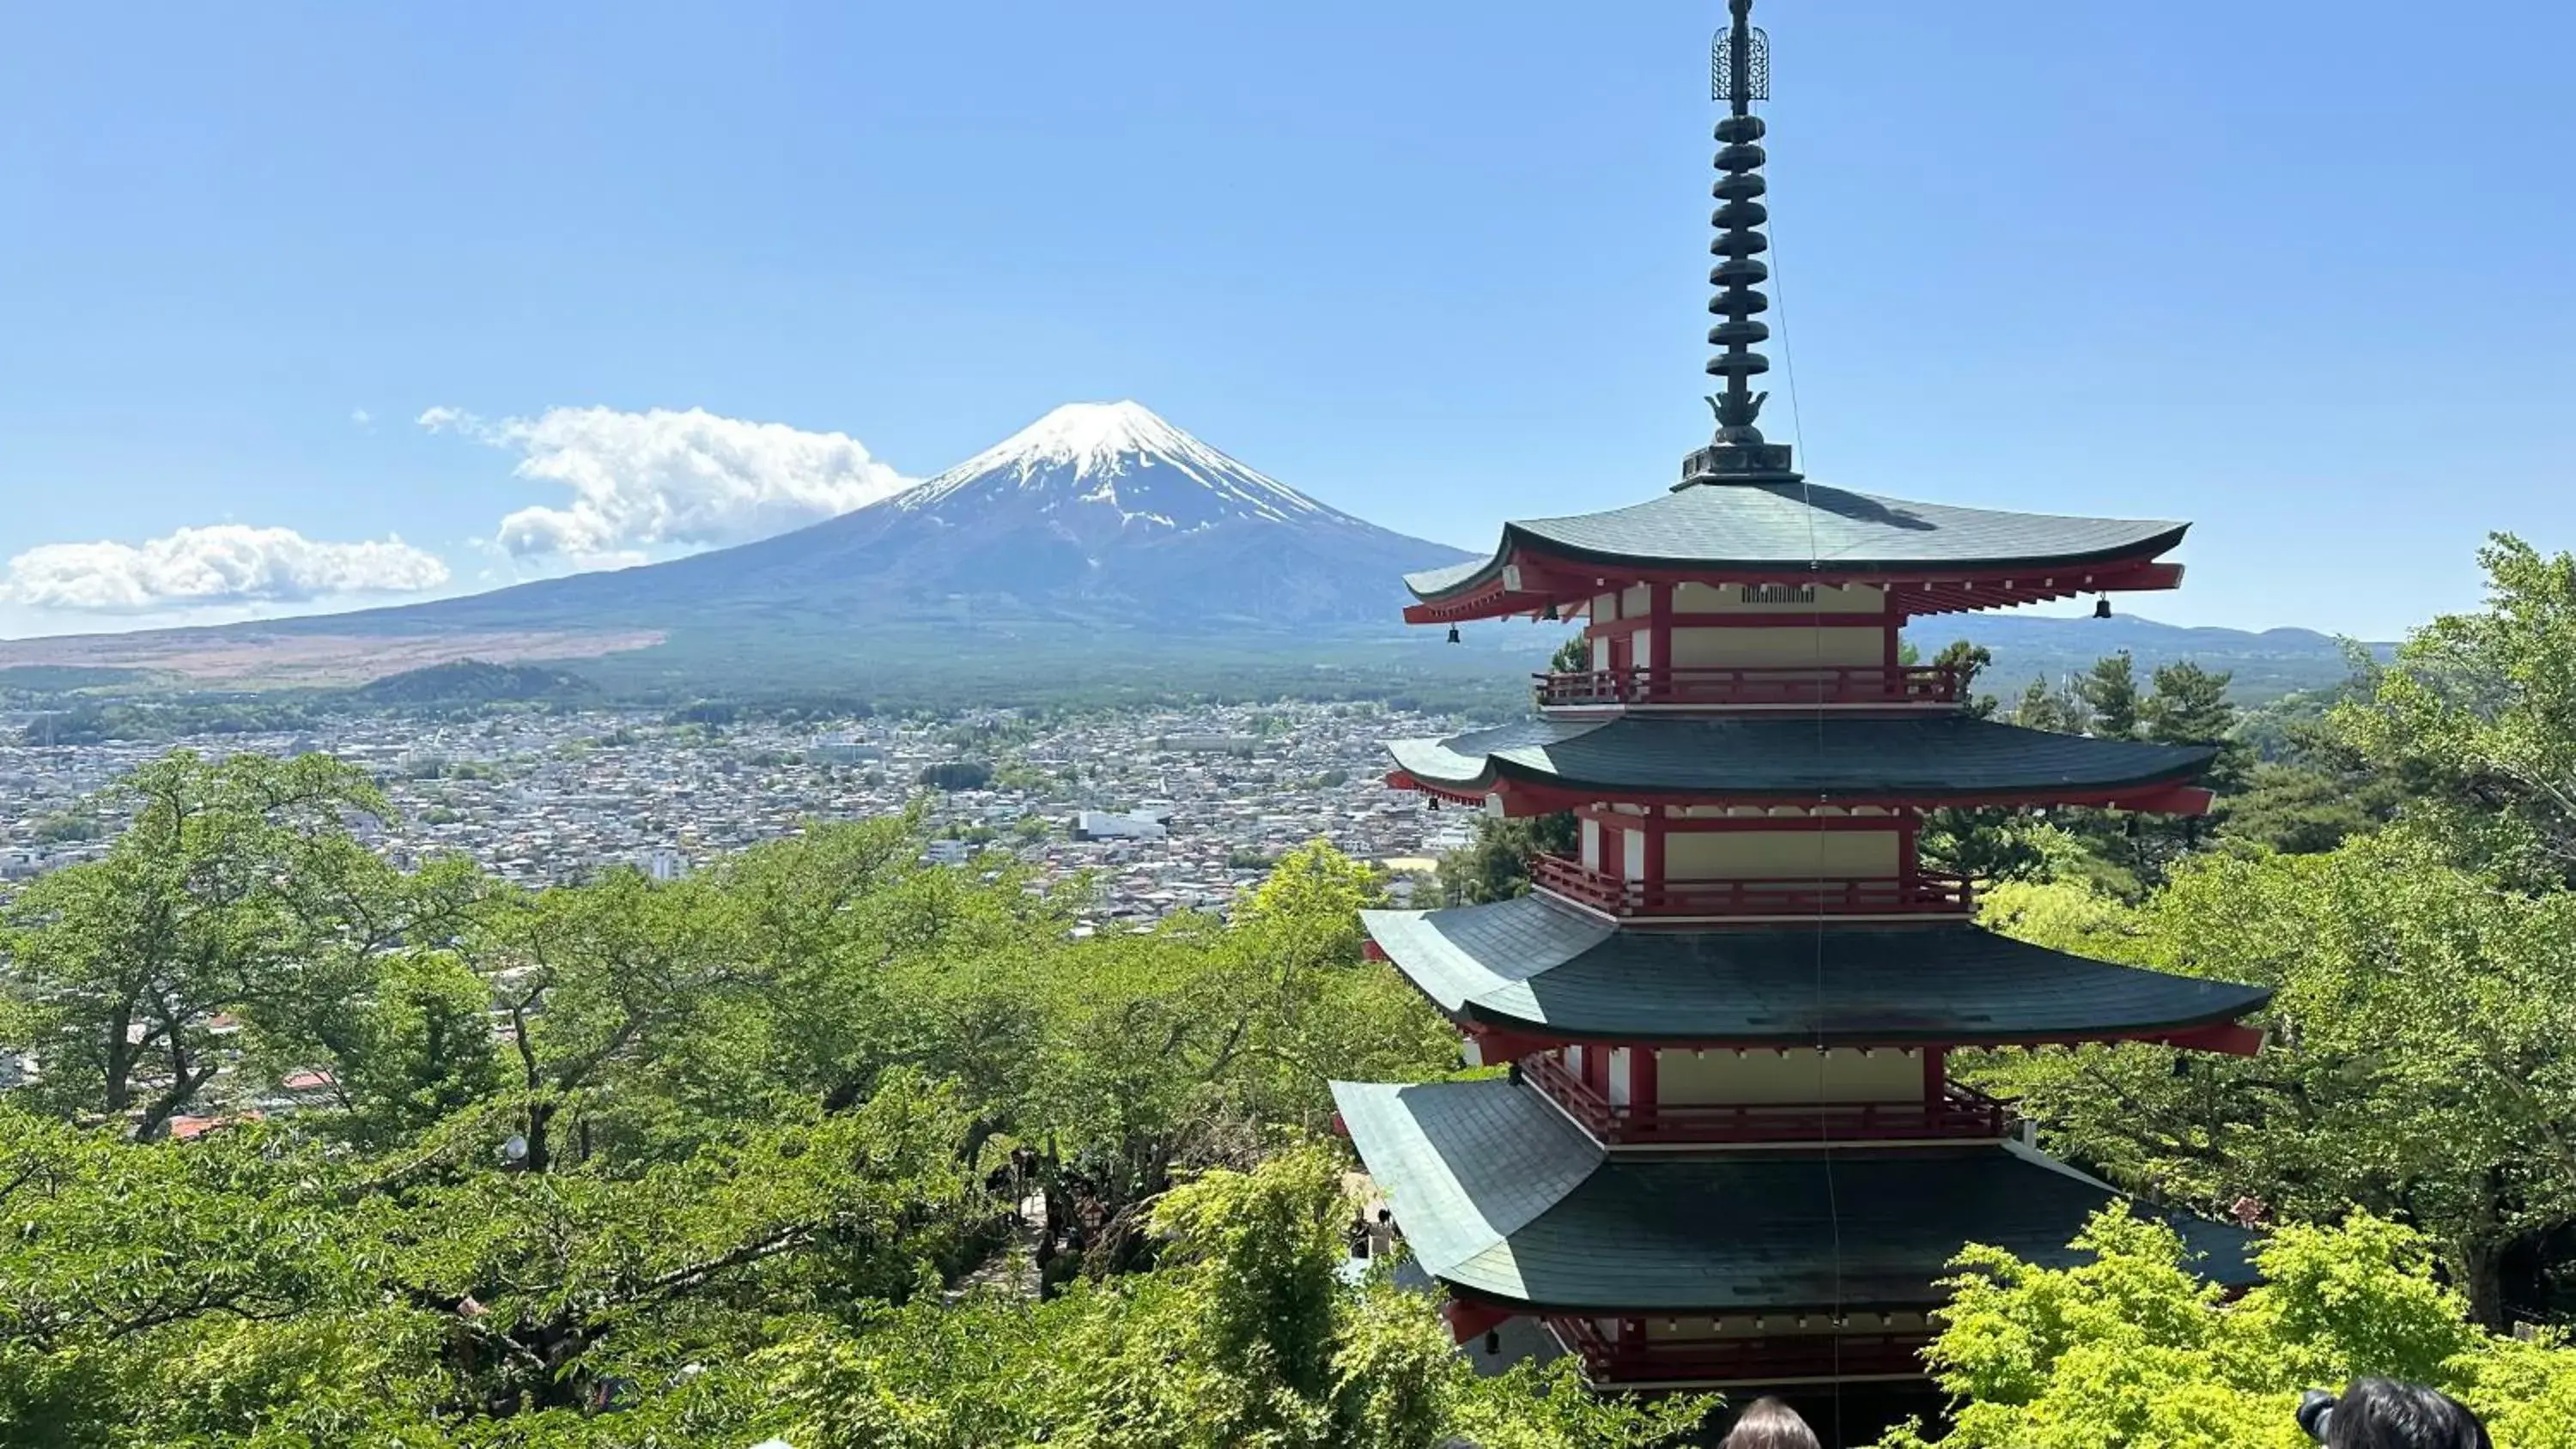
(1123,456)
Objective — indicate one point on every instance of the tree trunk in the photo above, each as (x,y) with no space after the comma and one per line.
(541,1116)
(2481,1268)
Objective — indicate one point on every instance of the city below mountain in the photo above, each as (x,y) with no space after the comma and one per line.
(1101,532)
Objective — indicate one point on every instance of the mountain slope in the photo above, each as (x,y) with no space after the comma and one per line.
(1098,513)
(2037,646)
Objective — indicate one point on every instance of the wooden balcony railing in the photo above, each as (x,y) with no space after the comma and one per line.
(1924,893)
(1849,684)
(1769,1359)
(1961,1113)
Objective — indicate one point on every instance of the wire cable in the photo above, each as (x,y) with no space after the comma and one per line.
(1824,1049)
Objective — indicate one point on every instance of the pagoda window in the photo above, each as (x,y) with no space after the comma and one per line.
(1786,600)
(1776,593)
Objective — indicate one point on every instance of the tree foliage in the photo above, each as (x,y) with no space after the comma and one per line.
(1247,1337)
(2134,1347)
(2478,717)
(621,1162)
(2416,1061)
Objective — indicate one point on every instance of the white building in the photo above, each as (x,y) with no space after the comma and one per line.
(1103,825)
(663,862)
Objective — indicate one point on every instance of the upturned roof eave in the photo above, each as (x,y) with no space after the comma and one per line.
(1478,1012)
(1497,773)
(1476,964)
(1520,545)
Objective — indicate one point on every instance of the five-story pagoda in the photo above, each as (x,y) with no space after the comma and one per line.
(1727,1151)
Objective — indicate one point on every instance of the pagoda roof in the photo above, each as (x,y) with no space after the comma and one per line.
(1532,967)
(1807,528)
(1501,1197)
(1782,758)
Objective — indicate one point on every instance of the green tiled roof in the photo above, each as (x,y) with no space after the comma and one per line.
(1533,965)
(1791,525)
(1926,757)
(1499,1195)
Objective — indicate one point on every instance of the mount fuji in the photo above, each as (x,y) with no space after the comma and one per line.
(1098,529)
(1098,513)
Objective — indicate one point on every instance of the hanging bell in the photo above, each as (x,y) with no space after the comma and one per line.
(1551,613)
(1453,633)
(2101,608)
(1493,1343)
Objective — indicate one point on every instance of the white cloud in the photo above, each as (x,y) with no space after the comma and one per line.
(670,479)
(227,563)
(361,416)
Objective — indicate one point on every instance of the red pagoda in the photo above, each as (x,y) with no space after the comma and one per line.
(1727,1151)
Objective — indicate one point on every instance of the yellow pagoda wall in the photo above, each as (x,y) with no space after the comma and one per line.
(1791,854)
(1783,648)
(1844,1074)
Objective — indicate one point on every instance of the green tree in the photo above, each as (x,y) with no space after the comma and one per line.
(2189,706)
(2042,706)
(1496,866)
(2478,717)
(1246,1336)
(236,886)
(409,1050)
(2109,691)
(593,982)
(2415,1064)
(1968,661)
(2133,1347)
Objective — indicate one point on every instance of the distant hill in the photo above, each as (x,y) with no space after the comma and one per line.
(472,681)
(2266,665)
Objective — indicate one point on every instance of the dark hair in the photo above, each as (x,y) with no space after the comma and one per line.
(2385,1414)
(1767,1423)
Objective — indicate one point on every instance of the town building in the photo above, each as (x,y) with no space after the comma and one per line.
(1129,825)
(1728,1151)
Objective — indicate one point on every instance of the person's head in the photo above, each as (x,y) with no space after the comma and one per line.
(2385,1414)
(1767,1423)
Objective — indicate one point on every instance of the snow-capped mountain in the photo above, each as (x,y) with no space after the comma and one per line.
(1090,461)
(1097,512)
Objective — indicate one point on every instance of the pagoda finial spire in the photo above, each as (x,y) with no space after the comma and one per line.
(1739,74)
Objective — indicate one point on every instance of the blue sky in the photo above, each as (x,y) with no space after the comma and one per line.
(2297,271)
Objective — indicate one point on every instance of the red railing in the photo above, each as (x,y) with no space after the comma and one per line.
(1879,684)
(1960,1112)
(1924,893)
(1770,1359)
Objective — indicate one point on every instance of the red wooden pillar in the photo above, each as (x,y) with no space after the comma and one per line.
(1659,617)
(1936,1075)
(1655,846)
